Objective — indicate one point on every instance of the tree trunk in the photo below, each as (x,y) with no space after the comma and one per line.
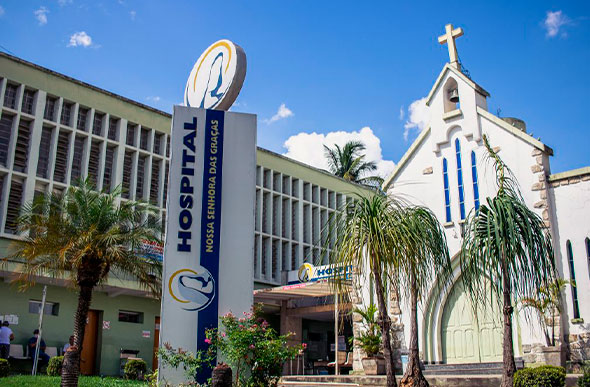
(508,350)
(71,363)
(413,376)
(385,324)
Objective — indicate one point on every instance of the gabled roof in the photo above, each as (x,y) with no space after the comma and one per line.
(482,112)
(459,74)
(405,158)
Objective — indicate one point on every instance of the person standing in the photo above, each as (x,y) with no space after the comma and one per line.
(43,357)
(6,336)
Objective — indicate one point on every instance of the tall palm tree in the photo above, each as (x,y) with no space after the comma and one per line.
(423,259)
(367,236)
(506,248)
(84,235)
(349,163)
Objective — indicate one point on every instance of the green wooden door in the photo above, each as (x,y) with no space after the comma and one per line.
(465,338)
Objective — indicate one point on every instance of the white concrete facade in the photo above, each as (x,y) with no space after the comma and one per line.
(420,178)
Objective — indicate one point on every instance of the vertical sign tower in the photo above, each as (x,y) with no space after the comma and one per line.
(209,245)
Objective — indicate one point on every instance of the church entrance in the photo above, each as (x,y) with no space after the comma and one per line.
(467,338)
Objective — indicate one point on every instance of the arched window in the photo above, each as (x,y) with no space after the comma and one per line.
(570,259)
(447,190)
(460,179)
(474,177)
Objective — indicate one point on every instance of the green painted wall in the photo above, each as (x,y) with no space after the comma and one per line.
(57,329)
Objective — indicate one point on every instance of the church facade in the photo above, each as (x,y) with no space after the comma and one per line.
(446,170)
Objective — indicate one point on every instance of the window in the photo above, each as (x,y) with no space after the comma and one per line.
(573,287)
(447,190)
(155,184)
(141,164)
(28,99)
(460,179)
(131,317)
(66,113)
(112,135)
(94,162)
(165,184)
(15,199)
(144,138)
(10,96)
(475,184)
(44,149)
(158,143)
(97,125)
(587,250)
(5,133)
(127,166)
(130,135)
(82,118)
(50,104)
(21,151)
(61,156)
(108,169)
(51,308)
(77,160)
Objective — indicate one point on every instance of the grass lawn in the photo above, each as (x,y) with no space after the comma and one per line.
(51,381)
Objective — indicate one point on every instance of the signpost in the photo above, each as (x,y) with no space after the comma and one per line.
(209,245)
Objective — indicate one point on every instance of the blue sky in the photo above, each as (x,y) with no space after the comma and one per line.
(336,66)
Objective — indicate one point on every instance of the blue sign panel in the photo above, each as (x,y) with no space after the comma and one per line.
(211,223)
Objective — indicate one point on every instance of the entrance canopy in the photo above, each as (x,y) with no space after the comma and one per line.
(321,288)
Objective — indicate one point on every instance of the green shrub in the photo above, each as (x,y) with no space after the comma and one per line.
(543,376)
(54,366)
(4,368)
(135,369)
(584,380)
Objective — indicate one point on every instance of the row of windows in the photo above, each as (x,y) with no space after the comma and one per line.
(460,185)
(52,309)
(570,260)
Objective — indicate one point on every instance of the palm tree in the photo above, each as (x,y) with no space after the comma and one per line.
(370,236)
(506,248)
(423,258)
(348,163)
(84,235)
(547,304)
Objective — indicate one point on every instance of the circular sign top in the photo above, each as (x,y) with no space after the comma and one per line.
(217,77)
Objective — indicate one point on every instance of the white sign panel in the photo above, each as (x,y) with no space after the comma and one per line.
(209,245)
(217,77)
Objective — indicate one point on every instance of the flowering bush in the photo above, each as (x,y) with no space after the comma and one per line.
(190,362)
(254,350)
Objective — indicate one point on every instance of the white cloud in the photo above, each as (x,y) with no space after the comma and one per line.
(1,10)
(283,112)
(309,148)
(80,39)
(64,2)
(132,14)
(41,15)
(154,99)
(402,113)
(418,117)
(553,23)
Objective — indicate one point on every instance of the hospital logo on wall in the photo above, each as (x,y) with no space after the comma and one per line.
(217,77)
(193,289)
(306,272)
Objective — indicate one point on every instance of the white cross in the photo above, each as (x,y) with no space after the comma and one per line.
(449,39)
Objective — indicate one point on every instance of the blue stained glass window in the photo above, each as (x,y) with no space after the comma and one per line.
(573,287)
(447,191)
(460,179)
(475,184)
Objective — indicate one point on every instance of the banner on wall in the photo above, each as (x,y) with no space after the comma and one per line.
(210,227)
